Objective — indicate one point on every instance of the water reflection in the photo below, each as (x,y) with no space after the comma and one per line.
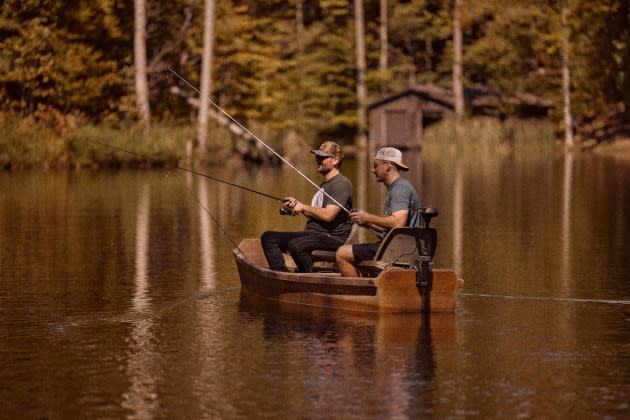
(567,179)
(395,353)
(140,398)
(140,300)
(206,233)
(458,218)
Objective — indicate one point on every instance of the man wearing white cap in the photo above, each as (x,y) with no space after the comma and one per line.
(400,198)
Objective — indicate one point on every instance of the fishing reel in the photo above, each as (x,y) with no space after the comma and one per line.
(286,211)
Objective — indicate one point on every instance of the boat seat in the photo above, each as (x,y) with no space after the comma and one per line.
(403,247)
(329,256)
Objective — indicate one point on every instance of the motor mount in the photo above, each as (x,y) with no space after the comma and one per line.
(426,242)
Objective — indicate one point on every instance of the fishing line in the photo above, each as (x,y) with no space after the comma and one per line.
(190,191)
(548,298)
(227,235)
(190,170)
(260,141)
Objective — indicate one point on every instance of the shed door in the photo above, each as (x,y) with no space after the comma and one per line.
(397,127)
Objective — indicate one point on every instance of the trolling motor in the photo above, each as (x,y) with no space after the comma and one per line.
(426,241)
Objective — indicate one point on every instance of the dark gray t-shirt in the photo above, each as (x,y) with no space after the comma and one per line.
(401,195)
(340,188)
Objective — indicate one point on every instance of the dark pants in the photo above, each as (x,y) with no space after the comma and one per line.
(299,245)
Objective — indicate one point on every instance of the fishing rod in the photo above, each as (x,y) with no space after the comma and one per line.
(261,142)
(189,170)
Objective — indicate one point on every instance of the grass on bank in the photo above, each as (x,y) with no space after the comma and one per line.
(161,145)
(490,138)
(24,144)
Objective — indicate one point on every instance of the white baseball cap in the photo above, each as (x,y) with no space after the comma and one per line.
(392,155)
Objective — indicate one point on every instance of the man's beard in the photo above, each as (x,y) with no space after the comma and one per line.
(325,170)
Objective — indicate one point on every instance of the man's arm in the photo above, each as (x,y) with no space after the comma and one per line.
(396,219)
(340,192)
(325,214)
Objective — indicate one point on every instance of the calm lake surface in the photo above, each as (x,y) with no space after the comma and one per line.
(119,297)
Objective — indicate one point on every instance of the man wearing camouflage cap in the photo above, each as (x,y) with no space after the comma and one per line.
(328,225)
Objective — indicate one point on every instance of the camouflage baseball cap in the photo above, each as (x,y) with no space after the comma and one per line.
(329,148)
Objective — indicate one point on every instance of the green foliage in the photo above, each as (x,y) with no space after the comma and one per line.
(515,53)
(420,31)
(24,144)
(48,61)
(602,53)
(66,64)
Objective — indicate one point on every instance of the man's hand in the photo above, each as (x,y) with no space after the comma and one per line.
(326,214)
(294,204)
(359,216)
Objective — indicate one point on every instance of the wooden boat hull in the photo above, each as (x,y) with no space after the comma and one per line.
(392,291)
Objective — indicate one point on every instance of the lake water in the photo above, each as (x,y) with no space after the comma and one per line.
(119,297)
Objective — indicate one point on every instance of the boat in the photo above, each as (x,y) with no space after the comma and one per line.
(400,279)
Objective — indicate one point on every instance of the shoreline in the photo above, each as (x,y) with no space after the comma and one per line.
(28,147)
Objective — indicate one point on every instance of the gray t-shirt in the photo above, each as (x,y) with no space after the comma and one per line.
(401,195)
(340,188)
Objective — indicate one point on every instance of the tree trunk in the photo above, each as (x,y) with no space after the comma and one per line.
(299,23)
(299,33)
(140,63)
(206,75)
(566,78)
(382,62)
(625,88)
(458,82)
(361,69)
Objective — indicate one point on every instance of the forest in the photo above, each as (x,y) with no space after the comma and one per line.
(288,68)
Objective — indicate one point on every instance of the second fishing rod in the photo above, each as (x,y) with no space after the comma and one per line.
(264,144)
(284,209)
(192,171)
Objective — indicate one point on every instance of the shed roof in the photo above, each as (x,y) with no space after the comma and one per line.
(475,97)
(428,92)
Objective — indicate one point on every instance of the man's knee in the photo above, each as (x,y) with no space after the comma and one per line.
(344,253)
(294,247)
(267,237)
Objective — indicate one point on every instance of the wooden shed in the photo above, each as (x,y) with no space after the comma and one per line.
(399,119)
